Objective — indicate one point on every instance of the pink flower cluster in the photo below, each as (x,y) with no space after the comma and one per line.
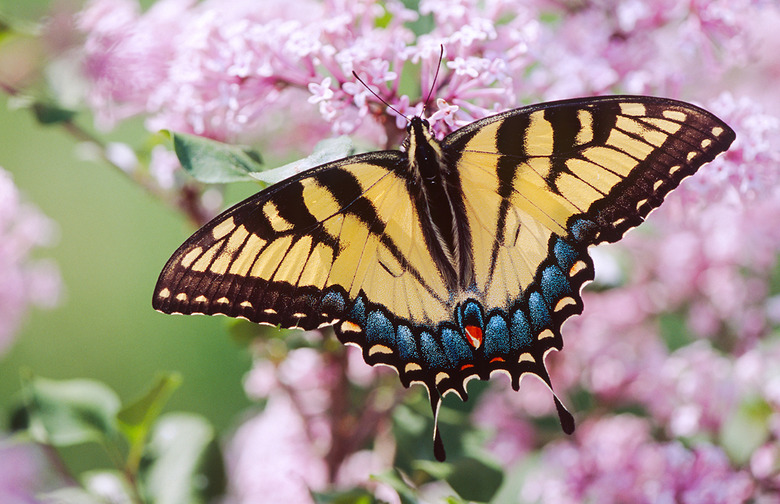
(681,325)
(24,282)
(235,71)
(27,471)
(616,460)
(298,429)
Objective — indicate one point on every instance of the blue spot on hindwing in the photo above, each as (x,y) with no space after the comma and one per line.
(555,285)
(457,350)
(564,254)
(407,348)
(497,337)
(521,329)
(379,330)
(540,314)
(583,230)
(333,304)
(432,352)
(358,312)
(470,314)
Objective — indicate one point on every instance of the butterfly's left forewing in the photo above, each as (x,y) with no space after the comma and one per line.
(341,243)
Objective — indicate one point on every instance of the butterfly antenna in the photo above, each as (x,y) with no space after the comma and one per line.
(435,78)
(379,97)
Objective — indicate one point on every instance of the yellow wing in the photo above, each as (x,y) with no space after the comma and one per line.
(300,253)
(584,170)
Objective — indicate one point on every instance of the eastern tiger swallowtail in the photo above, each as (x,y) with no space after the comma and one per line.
(452,259)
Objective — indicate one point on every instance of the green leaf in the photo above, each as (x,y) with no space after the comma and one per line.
(48,114)
(674,330)
(135,420)
(215,162)
(5,27)
(517,477)
(327,150)
(434,470)
(182,464)
(412,429)
(65,413)
(475,479)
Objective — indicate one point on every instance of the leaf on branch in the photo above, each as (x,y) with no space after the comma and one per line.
(182,463)
(65,413)
(137,418)
(48,114)
(325,151)
(214,162)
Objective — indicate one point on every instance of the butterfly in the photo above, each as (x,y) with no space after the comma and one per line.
(450,259)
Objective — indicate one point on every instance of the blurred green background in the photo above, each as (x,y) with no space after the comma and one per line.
(113,241)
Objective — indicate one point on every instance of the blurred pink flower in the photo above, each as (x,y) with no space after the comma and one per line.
(615,460)
(26,472)
(127,54)
(271,458)
(512,435)
(163,166)
(24,282)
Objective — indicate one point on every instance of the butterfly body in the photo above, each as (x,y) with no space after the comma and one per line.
(453,259)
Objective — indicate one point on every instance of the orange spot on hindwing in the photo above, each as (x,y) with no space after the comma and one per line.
(469,315)
(474,335)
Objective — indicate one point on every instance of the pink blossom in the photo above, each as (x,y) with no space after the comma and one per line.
(163,166)
(24,282)
(27,471)
(446,112)
(358,469)
(320,92)
(271,458)
(615,460)
(694,391)
(512,436)
(126,57)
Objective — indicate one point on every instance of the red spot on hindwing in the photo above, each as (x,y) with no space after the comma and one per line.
(474,335)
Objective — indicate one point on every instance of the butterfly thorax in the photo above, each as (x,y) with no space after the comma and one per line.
(440,202)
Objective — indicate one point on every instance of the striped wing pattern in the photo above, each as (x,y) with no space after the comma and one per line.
(299,253)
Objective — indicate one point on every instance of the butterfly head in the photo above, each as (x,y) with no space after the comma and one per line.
(425,154)
(418,130)
(418,133)
(418,123)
